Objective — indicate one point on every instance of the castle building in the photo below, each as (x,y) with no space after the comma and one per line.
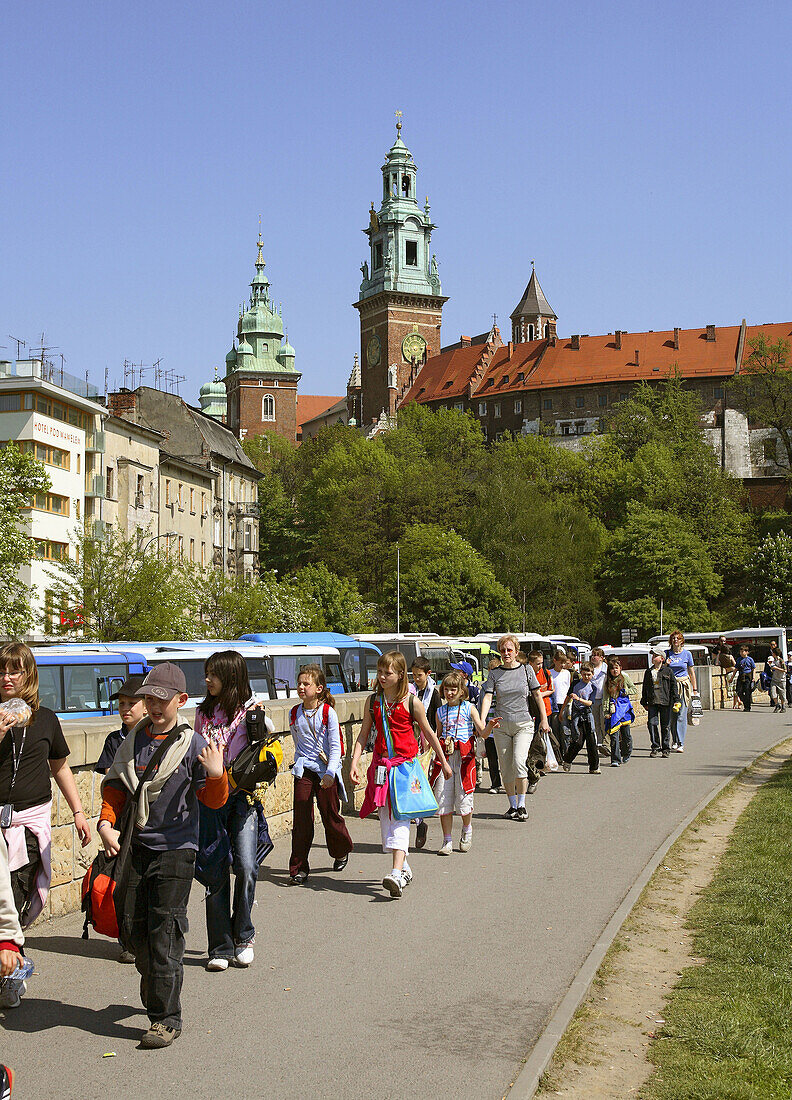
(260,381)
(400,302)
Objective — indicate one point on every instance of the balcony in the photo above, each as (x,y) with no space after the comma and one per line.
(96,442)
(95,486)
(99,528)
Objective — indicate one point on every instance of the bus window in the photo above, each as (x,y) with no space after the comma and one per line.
(352,668)
(81,685)
(259,675)
(50,693)
(335,677)
(193,674)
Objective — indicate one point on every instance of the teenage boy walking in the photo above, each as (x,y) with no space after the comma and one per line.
(745,676)
(153,906)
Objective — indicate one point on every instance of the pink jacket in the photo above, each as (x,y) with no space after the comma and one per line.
(38,820)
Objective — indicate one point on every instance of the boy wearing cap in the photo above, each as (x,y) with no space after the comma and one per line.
(153,906)
(660,695)
(131,710)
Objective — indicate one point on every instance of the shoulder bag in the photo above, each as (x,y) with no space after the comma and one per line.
(408,786)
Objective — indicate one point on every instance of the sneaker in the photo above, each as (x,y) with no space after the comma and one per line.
(217,964)
(465,841)
(522,814)
(340,864)
(407,876)
(654,752)
(595,771)
(665,754)
(244,955)
(615,763)
(567,767)
(159,1035)
(511,813)
(532,787)
(446,849)
(679,748)
(496,790)
(420,834)
(299,878)
(126,956)
(11,998)
(393,884)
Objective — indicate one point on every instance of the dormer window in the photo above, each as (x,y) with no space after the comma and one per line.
(411,253)
(406,186)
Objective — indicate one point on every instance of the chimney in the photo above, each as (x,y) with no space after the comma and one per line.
(636,357)
(511,348)
(123,404)
(617,334)
(576,343)
(464,341)
(676,339)
(711,333)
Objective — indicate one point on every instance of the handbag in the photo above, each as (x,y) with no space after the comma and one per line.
(408,784)
(258,763)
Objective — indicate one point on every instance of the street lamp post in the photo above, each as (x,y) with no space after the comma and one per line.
(155,538)
(398,594)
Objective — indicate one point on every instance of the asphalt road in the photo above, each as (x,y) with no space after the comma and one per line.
(352,994)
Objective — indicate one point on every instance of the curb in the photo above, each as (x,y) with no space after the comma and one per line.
(527,1080)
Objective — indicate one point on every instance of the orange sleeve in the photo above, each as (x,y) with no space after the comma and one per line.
(214,793)
(113,801)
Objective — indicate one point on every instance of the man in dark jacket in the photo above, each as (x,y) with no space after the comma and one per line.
(660,696)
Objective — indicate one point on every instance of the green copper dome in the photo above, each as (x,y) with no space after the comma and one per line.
(231,357)
(286,351)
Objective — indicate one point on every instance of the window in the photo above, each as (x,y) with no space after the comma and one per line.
(52,456)
(530,332)
(181,497)
(78,464)
(268,407)
(203,504)
(56,410)
(192,507)
(496,410)
(217,532)
(547,403)
(718,393)
(203,553)
(231,490)
(247,536)
(406,185)
(518,405)
(566,429)
(181,548)
(10,402)
(482,408)
(602,399)
(580,427)
(47,550)
(109,484)
(411,253)
(377,255)
(167,491)
(139,491)
(51,502)
(580,402)
(192,549)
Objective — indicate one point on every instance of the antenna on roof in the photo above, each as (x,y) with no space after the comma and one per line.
(19,343)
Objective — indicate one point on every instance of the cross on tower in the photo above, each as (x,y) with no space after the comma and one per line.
(398,123)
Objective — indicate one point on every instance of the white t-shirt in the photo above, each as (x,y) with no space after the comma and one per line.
(598,679)
(561,681)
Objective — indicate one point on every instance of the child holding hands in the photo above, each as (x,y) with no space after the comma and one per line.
(457,724)
(392,704)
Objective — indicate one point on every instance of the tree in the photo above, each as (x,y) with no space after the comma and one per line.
(21,478)
(283,542)
(337,604)
(652,557)
(769,581)
(763,388)
(231,606)
(124,593)
(447,586)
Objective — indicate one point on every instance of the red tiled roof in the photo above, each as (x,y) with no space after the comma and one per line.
(540,364)
(311,405)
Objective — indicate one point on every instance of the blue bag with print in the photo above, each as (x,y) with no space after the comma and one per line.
(408,786)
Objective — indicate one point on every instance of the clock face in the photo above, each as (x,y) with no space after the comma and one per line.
(413,347)
(373,351)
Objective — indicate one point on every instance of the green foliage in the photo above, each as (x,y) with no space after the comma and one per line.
(769,581)
(21,477)
(448,587)
(282,542)
(763,388)
(231,606)
(123,593)
(334,602)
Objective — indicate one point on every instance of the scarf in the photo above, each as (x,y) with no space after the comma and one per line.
(38,820)
(123,768)
(231,736)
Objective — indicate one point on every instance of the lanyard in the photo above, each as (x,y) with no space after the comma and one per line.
(16,757)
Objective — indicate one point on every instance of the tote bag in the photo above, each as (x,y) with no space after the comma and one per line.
(408,785)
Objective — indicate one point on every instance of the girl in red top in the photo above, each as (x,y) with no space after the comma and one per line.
(401,710)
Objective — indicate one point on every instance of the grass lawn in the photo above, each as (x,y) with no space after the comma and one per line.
(728,1029)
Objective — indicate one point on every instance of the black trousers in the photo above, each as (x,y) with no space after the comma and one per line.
(492,760)
(154,924)
(744,691)
(583,733)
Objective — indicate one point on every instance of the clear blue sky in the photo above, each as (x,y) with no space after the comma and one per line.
(640,153)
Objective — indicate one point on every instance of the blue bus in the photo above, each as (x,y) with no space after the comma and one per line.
(358,658)
(78,684)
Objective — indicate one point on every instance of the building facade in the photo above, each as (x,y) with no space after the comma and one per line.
(400,301)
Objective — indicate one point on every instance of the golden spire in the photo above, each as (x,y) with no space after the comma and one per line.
(260,257)
(398,124)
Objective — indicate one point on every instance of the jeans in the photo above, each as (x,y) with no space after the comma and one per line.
(583,732)
(621,743)
(154,924)
(679,724)
(223,930)
(660,726)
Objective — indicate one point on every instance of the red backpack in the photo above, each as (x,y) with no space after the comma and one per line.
(325,713)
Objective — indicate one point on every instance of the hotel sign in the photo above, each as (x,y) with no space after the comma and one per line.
(61,434)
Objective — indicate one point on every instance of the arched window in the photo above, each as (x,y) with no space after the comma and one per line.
(268,407)
(530,332)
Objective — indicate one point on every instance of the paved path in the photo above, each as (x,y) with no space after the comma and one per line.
(354,995)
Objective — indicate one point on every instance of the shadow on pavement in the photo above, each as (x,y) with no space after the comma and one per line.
(74,945)
(36,1014)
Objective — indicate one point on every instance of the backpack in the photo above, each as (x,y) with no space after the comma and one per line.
(104,880)
(325,714)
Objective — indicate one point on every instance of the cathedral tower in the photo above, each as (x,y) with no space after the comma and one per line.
(533,319)
(260,380)
(400,302)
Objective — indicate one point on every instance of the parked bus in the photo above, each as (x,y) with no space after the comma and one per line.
(476,652)
(79,685)
(527,642)
(578,650)
(431,646)
(637,656)
(358,658)
(757,639)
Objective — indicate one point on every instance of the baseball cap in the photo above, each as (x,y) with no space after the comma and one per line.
(164,681)
(659,650)
(464,666)
(129,687)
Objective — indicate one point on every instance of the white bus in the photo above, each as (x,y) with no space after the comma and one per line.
(757,638)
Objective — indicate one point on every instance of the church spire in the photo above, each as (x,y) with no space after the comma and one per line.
(533,318)
(260,284)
